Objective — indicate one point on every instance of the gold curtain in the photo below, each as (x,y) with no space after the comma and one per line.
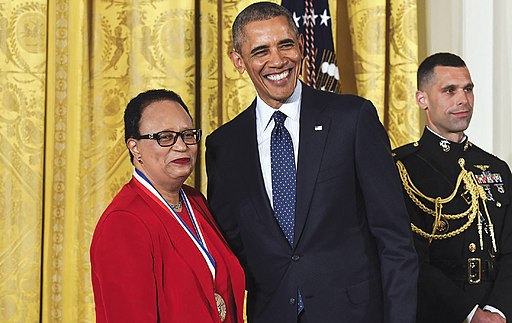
(22,157)
(382,42)
(67,70)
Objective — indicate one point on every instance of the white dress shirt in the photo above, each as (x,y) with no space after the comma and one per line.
(264,126)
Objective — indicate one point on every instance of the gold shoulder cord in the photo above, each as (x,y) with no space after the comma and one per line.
(470,185)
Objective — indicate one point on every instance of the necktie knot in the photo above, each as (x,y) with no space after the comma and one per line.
(279,118)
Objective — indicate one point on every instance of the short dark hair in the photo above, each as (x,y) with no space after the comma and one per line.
(257,12)
(426,68)
(136,107)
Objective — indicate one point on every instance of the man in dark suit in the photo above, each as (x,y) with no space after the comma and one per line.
(314,210)
(458,197)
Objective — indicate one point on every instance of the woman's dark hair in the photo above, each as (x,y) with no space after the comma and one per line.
(136,107)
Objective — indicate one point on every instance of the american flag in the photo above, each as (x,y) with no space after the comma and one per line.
(313,18)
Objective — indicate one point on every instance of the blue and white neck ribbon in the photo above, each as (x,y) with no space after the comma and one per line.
(198,240)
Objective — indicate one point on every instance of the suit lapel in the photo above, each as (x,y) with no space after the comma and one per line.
(251,174)
(250,163)
(314,128)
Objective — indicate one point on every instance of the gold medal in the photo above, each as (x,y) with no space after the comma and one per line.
(221,306)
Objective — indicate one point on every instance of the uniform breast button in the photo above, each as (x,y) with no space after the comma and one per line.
(295,258)
(291,301)
(498,204)
(472,247)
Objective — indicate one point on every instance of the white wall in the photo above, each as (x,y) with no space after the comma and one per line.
(479,32)
(503,80)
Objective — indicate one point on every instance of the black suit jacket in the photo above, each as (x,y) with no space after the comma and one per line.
(353,258)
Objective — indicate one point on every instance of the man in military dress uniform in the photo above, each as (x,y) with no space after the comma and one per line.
(458,197)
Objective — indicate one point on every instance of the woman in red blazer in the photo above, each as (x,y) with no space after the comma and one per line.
(157,254)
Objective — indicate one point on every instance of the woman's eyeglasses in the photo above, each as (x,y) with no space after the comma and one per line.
(168,138)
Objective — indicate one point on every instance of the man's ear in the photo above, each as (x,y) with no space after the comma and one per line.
(422,100)
(301,45)
(237,60)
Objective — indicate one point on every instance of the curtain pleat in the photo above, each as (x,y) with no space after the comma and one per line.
(384,42)
(22,135)
(403,114)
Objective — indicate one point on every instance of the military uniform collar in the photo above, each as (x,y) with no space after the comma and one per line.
(436,142)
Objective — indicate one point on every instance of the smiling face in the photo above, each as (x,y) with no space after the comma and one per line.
(166,167)
(448,101)
(271,53)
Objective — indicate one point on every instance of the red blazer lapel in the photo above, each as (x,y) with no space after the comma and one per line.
(181,243)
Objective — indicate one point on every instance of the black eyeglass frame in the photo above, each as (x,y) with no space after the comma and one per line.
(157,136)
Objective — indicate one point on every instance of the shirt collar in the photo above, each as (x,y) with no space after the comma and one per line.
(291,107)
(435,133)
